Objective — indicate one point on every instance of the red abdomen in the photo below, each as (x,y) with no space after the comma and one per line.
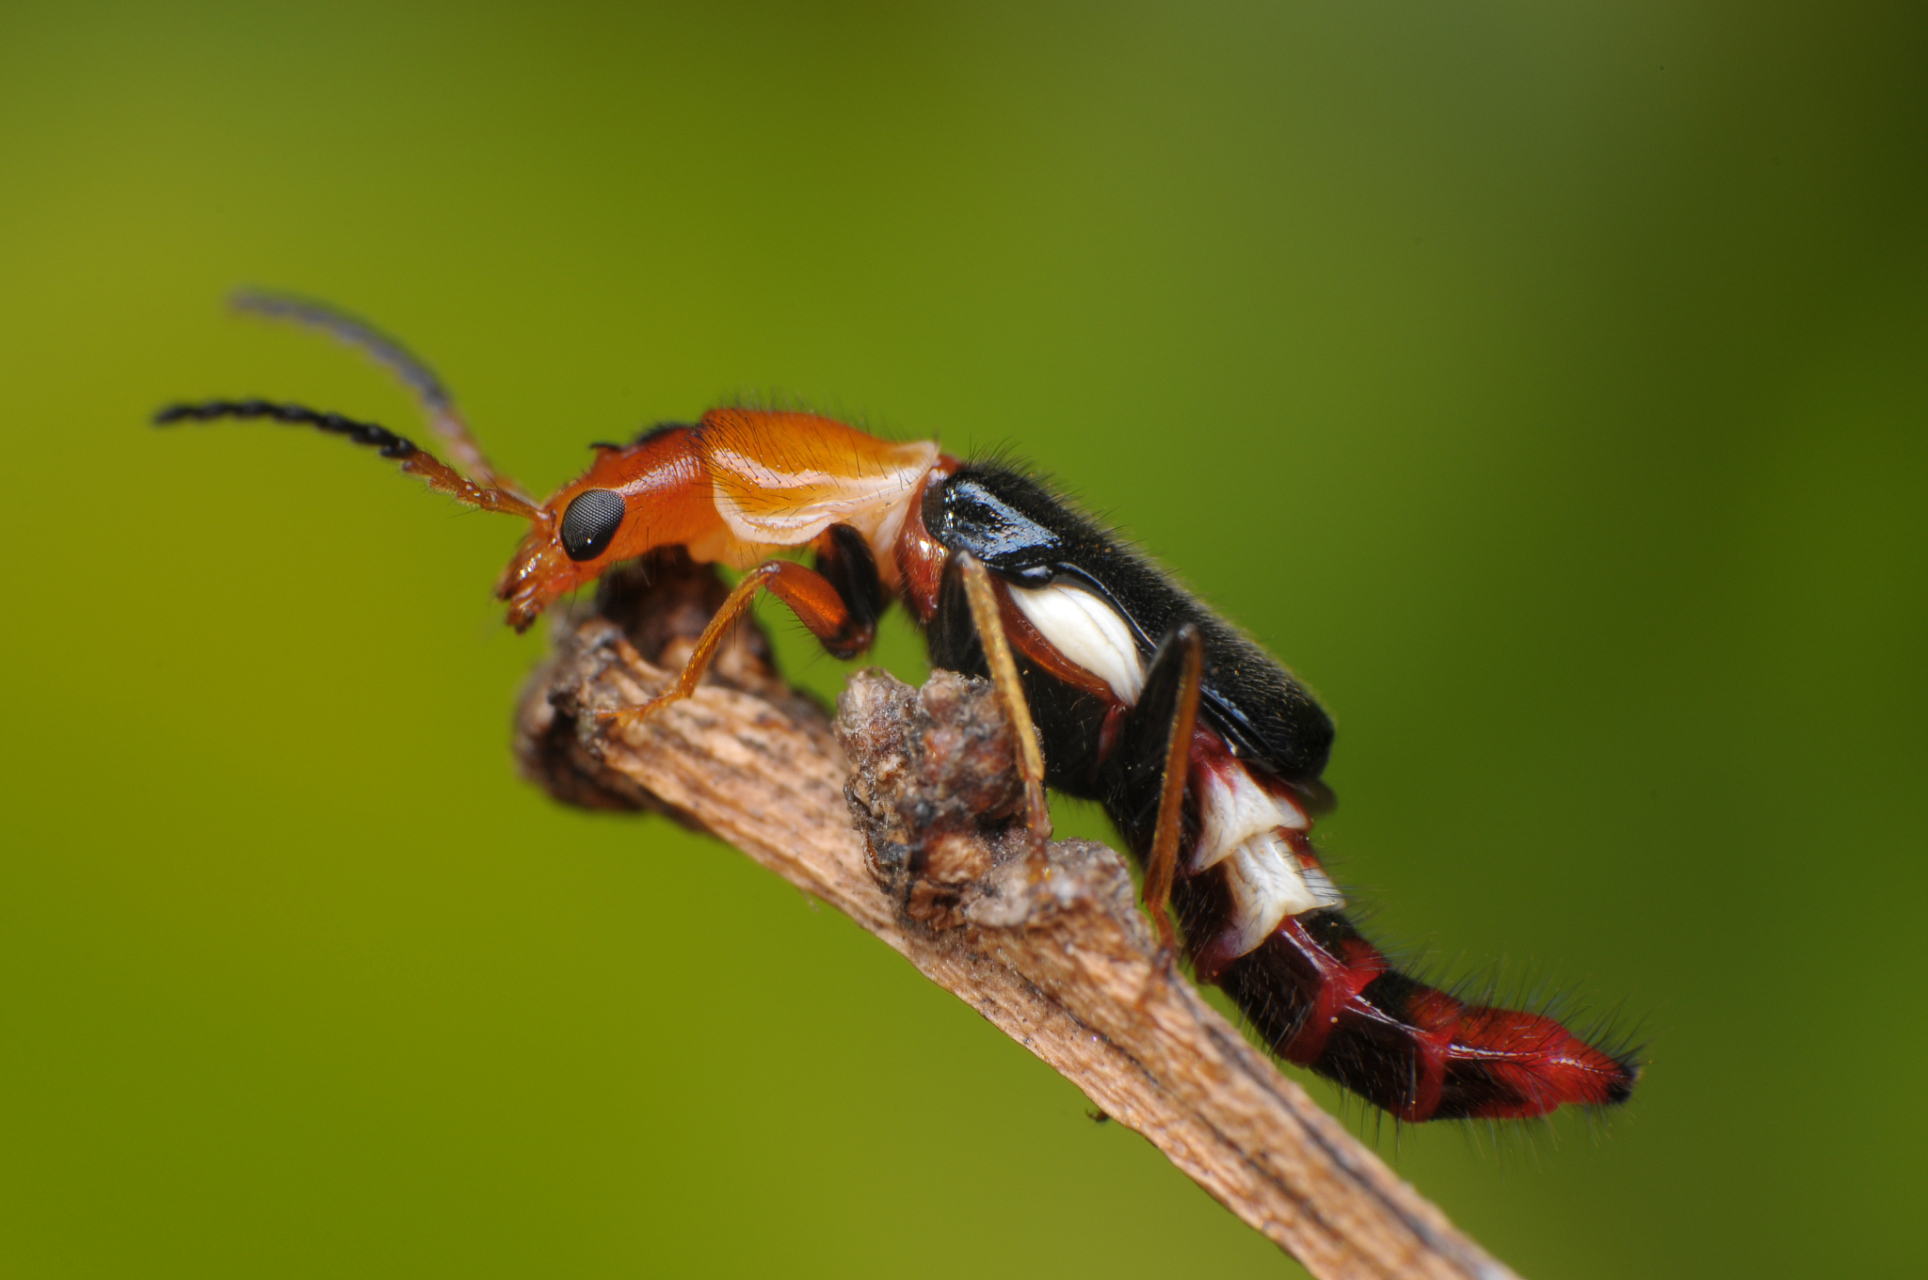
(1325,998)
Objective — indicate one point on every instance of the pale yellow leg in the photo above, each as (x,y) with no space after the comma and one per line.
(1004,674)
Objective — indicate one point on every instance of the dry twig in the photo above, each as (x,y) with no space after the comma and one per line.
(941,867)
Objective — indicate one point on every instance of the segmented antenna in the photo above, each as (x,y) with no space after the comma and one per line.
(415,460)
(436,402)
(368,433)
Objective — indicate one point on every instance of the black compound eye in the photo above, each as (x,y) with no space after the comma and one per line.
(590,521)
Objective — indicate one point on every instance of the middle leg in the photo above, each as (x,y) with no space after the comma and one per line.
(989,621)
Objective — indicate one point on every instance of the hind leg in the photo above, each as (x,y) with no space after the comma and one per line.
(1181,658)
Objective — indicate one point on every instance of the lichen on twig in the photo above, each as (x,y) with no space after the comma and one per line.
(1045,942)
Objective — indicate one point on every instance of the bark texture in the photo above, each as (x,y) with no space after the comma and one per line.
(1044,939)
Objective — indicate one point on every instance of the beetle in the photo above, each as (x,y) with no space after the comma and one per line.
(1205,752)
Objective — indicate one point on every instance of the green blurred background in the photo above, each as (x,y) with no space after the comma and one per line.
(1545,383)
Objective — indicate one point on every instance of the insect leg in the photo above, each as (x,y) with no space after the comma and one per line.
(434,397)
(1187,647)
(1004,674)
(847,563)
(809,595)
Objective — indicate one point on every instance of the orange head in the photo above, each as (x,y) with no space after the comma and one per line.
(632,500)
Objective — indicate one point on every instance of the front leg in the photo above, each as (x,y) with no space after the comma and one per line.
(839,606)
